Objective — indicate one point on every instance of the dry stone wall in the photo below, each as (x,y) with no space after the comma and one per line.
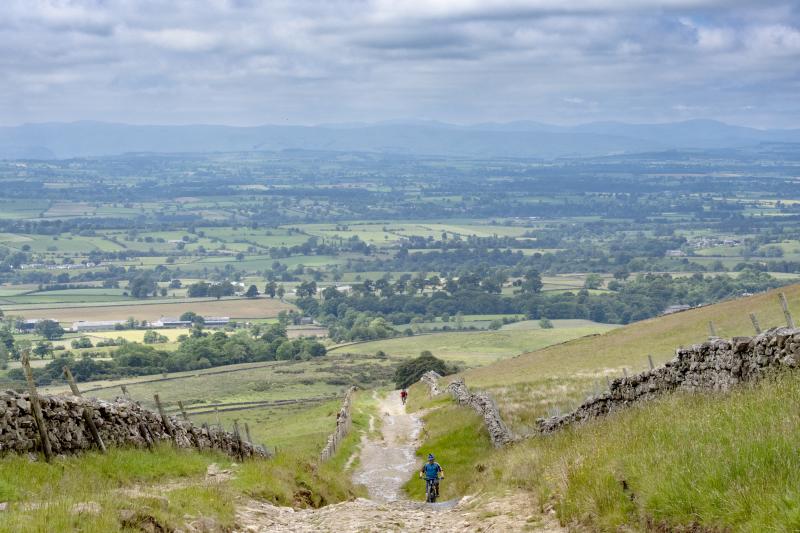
(344,421)
(483,403)
(120,423)
(431,379)
(716,365)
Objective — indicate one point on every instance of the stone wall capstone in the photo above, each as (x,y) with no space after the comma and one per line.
(120,423)
(716,365)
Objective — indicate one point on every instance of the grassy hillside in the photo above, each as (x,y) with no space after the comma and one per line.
(561,376)
(90,492)
(475,348)
(710,462)
(169,487)
(682,462)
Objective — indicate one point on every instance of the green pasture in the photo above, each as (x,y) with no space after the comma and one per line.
(22,209)
(476,348)
(326,376)
(303,427)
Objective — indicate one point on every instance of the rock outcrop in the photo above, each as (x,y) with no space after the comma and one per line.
(716,365)
(119,423)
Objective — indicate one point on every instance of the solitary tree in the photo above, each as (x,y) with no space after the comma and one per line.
(593,281)
(252,291)
(49,329)
(271,289)
(532,283)
(142,285)
(42,349)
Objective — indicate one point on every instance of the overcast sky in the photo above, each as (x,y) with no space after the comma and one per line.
(247,62)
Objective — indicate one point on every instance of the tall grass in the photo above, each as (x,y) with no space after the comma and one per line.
(686,461)
(168,484)
(295,476)
(47,497)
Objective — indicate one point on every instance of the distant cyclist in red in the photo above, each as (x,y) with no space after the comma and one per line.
(403,396)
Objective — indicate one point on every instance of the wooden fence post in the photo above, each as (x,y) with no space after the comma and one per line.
(216,412)
(608,382)
(712,331)
(164,419)
(625,371)
(125,392)
(786,313)
(247,432)
(183,411)
(650,361)
(756,326)
(88,412)
(36,408)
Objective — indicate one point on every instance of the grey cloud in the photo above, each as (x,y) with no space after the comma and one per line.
(308,61)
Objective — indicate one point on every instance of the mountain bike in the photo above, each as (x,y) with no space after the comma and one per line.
(431,491)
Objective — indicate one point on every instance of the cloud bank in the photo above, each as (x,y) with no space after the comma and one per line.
(247,62)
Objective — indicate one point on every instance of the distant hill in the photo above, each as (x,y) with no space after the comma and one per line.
(514,139)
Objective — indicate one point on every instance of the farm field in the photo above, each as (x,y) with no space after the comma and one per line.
(327,376)
(302,428)
(237,308)
(136,335)
(317,386)
(477,348)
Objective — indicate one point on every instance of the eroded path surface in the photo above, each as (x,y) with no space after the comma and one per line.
(385,463)
(388,462)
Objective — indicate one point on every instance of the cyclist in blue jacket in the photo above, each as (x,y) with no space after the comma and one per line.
(432,471)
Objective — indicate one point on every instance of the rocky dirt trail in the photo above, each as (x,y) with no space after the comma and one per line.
(385,463)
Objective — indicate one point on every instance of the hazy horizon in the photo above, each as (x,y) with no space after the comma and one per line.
(393,121)
(246,63)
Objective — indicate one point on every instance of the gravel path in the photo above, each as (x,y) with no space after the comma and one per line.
(385,464)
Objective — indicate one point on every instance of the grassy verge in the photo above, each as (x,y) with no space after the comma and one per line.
(684,462)
(458,439)
(712,461)
(49,497)
(303,428)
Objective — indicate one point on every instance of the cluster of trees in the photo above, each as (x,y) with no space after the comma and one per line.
(203,289)
(201,350)
(410,371)
(367,315)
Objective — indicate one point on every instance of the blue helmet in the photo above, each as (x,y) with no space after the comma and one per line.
(430,457)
